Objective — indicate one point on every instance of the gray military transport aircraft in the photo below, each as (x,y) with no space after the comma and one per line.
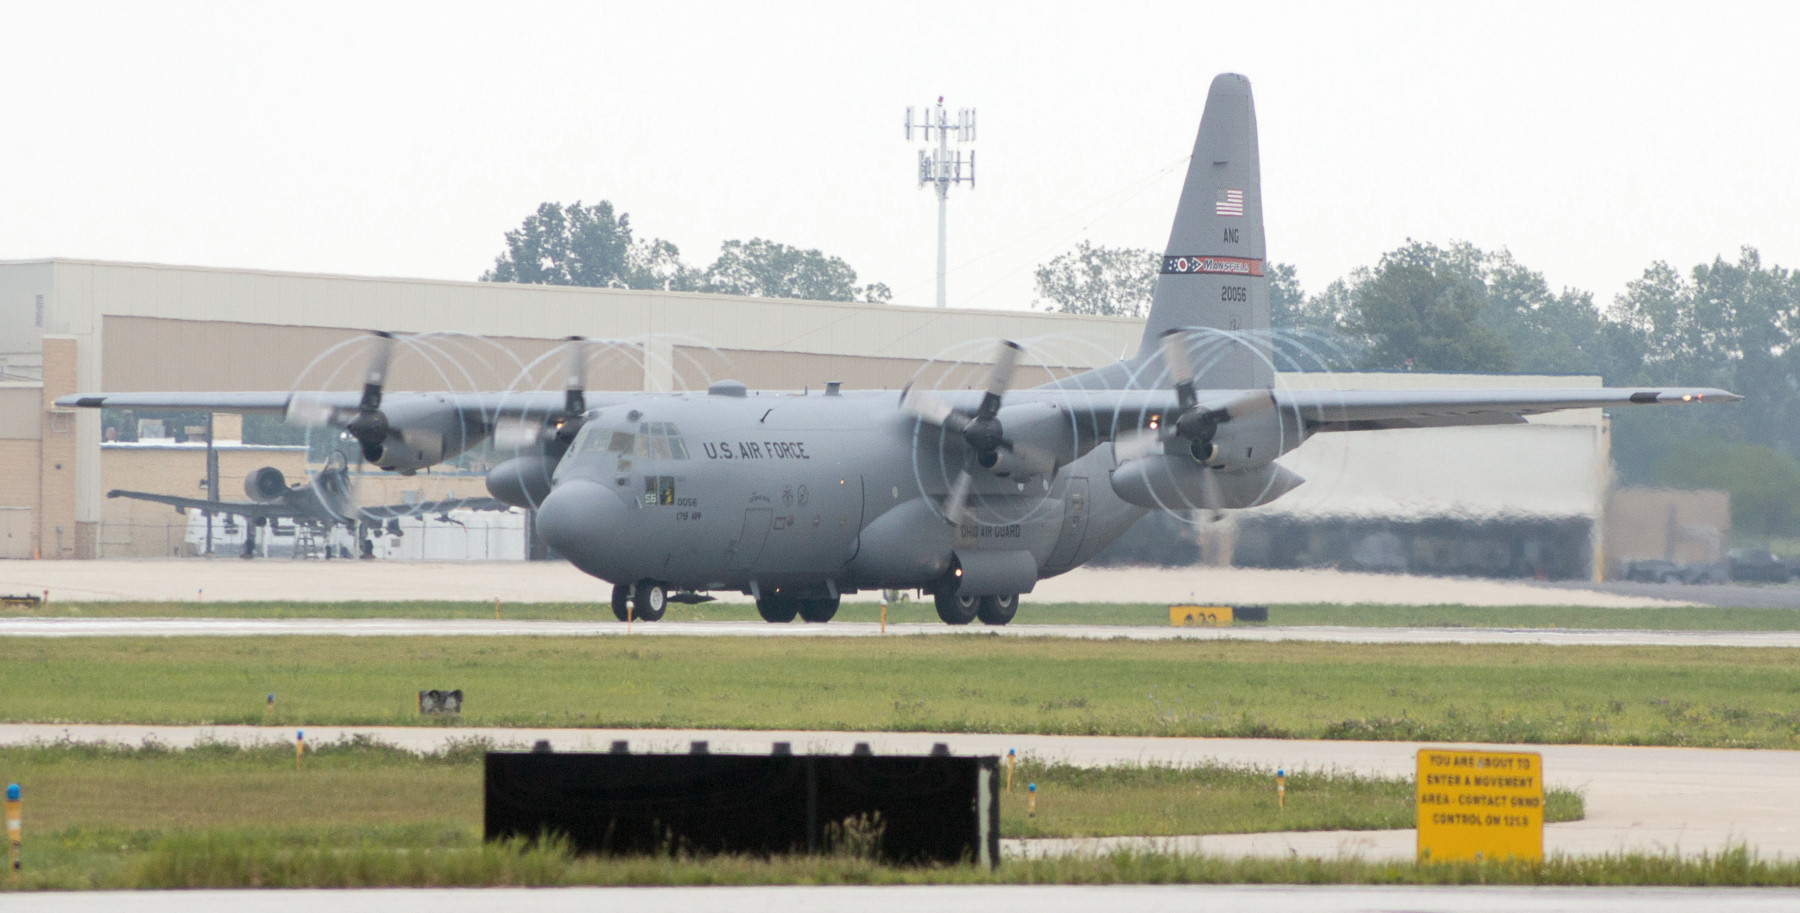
(971,496)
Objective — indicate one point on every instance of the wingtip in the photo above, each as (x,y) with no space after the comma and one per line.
(1699,396)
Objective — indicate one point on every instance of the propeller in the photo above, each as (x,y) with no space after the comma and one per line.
(558,430)
(369,426)
(1193,422)
(981,430)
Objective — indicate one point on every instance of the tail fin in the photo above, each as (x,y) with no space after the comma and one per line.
(1212,272)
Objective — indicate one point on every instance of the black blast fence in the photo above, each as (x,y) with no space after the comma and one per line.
(898,809)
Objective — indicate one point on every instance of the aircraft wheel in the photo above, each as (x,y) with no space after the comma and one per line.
(956,610)
(777,608)
(621,601)
(997,610)
(818,611)
(649,600)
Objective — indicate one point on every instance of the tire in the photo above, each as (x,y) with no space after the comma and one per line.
(649,600)
(621,602)
(997,610)
(777,608)
(818,611)
(956,610)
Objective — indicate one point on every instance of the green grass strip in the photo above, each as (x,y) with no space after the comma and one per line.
(260,859)
(1700,696)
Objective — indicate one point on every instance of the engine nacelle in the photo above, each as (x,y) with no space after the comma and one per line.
(422,433)
(1176,482)
(266,484)
(522,481)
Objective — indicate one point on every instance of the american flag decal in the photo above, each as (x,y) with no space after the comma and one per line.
(1231,203)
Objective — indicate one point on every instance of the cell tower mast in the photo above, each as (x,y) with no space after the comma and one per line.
(944,168)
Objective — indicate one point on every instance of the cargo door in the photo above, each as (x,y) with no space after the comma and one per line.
(749,543)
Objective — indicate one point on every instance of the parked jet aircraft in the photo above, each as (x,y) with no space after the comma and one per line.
(974,496)
(323,502)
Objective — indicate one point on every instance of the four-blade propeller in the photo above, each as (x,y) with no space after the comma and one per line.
(557,431)
(369,426)
(989,446)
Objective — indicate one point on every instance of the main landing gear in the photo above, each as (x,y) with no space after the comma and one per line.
(960,610)
(779,608)
(645,600)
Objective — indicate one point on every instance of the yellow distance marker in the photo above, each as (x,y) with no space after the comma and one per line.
(1281,789)
(1031,800)
(1212,616)
(299,746)
(1480,804)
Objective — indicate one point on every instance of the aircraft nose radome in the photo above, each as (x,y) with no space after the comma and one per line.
(579,519)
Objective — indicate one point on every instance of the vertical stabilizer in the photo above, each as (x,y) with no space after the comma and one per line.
(1212,272)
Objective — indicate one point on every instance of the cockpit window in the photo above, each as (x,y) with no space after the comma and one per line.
(659,441)
(622,442)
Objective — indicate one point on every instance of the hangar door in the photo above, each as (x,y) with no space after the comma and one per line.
(15,532)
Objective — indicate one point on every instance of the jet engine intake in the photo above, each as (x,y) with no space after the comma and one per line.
(265,484)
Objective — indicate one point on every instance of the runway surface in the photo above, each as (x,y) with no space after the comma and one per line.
(979,899)
(163,580)
(407,627)
(1650,800)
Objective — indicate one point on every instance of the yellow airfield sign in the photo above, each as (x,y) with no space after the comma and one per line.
(1480,804)
(1203,615)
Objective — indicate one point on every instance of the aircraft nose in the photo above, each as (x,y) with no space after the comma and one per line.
(579,519)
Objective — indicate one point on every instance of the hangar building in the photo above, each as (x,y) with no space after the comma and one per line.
(74,325)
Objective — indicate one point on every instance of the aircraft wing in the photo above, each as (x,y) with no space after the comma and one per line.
(396,511)
(266,403)
(241,508)
(1355,410)
(1369,410)
(528,403)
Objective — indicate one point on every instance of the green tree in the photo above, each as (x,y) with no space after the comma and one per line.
(769,269)
(1724,324)
(1100,281)
(1544,333)
(1421,310)
(589,246)
(1764,485)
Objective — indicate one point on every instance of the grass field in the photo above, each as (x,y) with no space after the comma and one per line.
(1698,618)
(1717,697)
(107,815)
(259,858)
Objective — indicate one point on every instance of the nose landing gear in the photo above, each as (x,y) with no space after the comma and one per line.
(645,600)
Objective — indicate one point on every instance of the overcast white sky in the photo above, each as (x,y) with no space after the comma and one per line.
(405,139)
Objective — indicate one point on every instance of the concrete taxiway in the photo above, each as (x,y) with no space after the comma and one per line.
(164,580)
(475,627)
(1649,800)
